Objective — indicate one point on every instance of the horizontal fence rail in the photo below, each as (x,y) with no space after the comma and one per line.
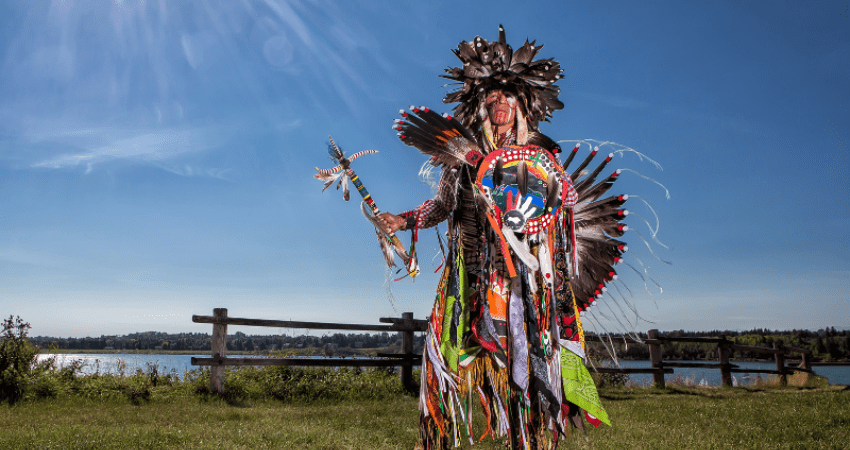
(725,347)
(397,325)
(313,362)
(406,325)
(631,370)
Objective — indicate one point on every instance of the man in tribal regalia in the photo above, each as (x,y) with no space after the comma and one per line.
(530,247)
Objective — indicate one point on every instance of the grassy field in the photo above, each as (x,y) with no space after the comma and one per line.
(677,418)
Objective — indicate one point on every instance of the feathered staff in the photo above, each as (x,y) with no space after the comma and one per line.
(342,174)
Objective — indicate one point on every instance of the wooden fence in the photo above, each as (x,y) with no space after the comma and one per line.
(724,351)
(406,325)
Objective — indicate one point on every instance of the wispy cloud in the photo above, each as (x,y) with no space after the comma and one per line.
(186,170)
(141,146)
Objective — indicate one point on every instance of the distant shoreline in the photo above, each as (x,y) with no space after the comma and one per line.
(309,351)
(313,352)
(68,351)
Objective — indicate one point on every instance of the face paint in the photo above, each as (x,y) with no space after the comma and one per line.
(501,107)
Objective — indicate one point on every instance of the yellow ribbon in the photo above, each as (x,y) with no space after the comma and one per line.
(578,319)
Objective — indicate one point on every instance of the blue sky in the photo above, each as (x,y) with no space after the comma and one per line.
(156,158)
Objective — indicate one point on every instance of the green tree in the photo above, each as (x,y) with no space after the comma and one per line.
(820,348)
(17,357)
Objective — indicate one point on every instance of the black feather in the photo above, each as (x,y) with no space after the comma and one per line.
(583,164)
(570,158)
(497,173)
(596,191)
(588,180)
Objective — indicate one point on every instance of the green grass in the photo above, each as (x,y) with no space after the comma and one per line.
(676,418)
(717,418)
(190,423)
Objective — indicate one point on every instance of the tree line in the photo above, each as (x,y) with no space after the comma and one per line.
(202,342)
(827,344)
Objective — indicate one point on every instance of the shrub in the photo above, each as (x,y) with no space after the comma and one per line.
(17,358)
(301,384)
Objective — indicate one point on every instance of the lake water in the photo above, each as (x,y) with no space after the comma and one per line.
(835,374)
(113,363)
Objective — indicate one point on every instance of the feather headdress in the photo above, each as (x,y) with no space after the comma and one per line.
(494,65)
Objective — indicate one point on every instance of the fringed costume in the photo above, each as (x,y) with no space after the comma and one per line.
(530,246)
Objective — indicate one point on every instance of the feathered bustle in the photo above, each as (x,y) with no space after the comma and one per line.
(596,223)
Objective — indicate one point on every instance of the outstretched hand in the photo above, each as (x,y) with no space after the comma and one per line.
(390,223)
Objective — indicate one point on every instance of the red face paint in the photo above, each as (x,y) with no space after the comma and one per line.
(501,107)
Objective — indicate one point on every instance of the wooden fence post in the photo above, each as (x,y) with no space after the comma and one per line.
(807,360)
(724,352)
(780,363)
(219,350)
(407,350)
(655,359)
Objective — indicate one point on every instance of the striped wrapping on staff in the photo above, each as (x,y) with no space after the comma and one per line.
(352,158)
(362,190)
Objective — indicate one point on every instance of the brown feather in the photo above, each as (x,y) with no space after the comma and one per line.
(553,189)
(522,178)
